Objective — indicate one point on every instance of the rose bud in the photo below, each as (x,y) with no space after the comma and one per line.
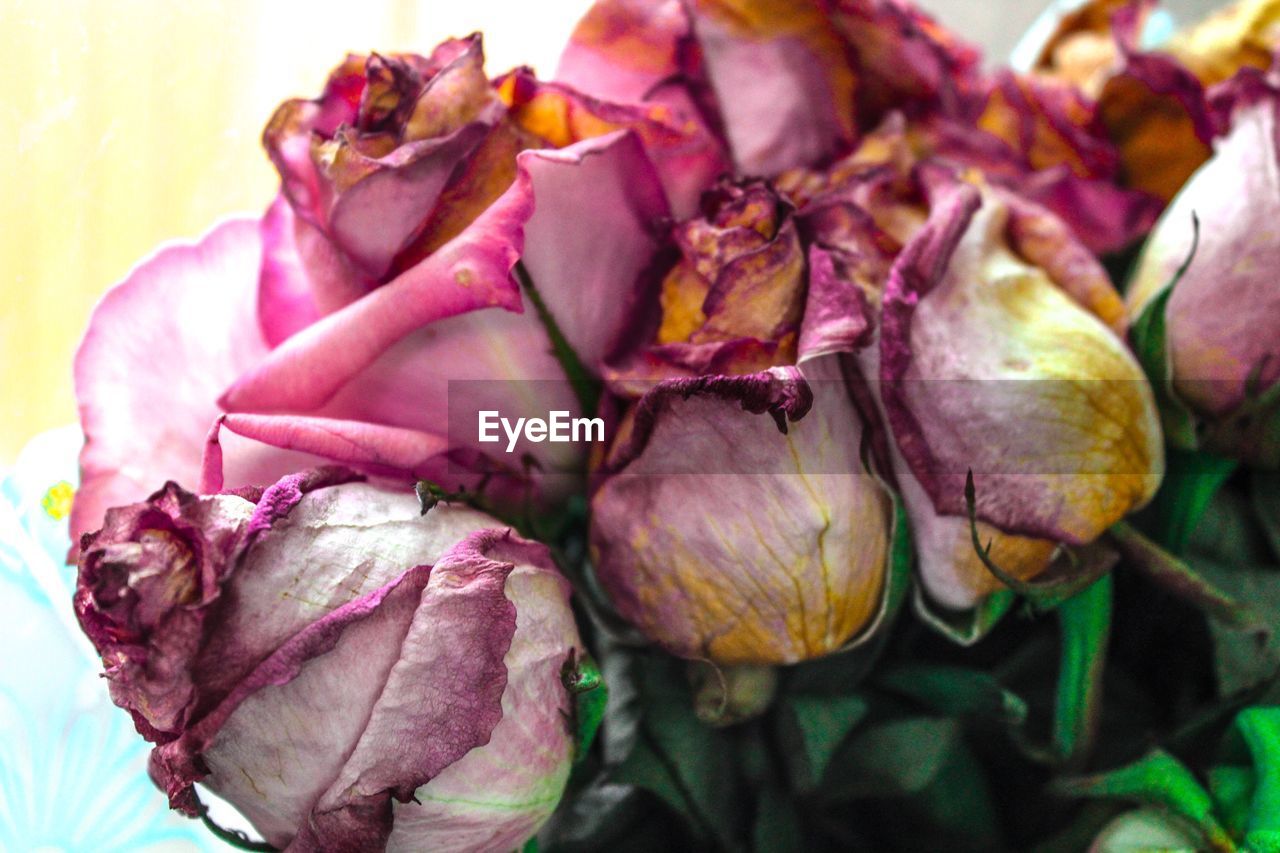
(998,353)
(387,269)
(972,292)
(346,673)
(1221,318)
(732,518)
(832,69)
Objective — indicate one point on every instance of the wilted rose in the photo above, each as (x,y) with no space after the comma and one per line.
(786,84)
(732,518)
(384,272)
(348,674)
(995,346)
(1222,317)
(1152,106)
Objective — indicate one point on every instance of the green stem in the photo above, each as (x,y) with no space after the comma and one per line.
(1175,576)
(1085,625)
(585,386)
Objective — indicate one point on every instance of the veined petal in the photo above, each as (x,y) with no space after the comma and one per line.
(722,536)
(988,365)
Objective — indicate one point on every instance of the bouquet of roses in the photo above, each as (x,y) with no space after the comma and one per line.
(877,450)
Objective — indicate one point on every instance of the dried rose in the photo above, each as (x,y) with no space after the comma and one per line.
(993,346)
(384,271)
(1151,104)
(787,84)
(732,518)
(1221,319)
(348,674)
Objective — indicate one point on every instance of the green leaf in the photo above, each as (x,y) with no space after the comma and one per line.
(777,825)
(810,729)
(1180,579)
(1085,626)
(955,691)
(1232,788)
(895,758)
(1260,729)
(1244,658)
(1191,480)
(1159,780)
(687,764)
(1149,338)
(624,705)
(589,694)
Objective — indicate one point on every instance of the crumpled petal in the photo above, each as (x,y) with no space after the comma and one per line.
(592,277)
(159,348)
(147,580)
(782,80)
(524,767)
(728,535)
(905,60)
(838,316)
(1152,106)
(1047,141)
(987,364)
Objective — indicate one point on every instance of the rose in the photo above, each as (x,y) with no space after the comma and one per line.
(1046,139)
(992,347)
(384,271)
(321,656)
(833,70)
(732,518)
(836,70)
(1152,106)
(1220,318)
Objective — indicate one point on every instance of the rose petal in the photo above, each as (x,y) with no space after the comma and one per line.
(722,537)
(524,767)
(471,272)
(159,348)
(1221,316)
(591,276)
(782,80)
(986,365)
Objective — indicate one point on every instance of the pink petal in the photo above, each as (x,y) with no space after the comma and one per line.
(159,348)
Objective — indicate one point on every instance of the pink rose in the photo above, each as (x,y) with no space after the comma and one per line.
(384,272)
(347,673)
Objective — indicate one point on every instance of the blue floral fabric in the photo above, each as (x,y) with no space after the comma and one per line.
(72,769)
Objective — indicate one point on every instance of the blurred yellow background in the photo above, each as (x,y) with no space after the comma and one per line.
(129,122)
